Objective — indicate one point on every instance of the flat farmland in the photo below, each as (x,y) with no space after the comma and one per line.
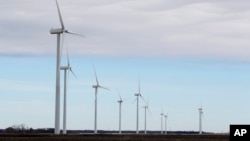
(112,137)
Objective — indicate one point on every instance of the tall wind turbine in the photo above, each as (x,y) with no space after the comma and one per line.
(145,110)
(66,71)
(96,91)
(137,111)
(58,31)
(120,112)
(200,120)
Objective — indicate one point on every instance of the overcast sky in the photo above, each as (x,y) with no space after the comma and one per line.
(194,50)
(193,28)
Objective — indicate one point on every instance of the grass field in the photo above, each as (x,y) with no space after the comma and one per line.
(112,137)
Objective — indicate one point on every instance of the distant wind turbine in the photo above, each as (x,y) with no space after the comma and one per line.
(58,31)
(162,114)
(145,124)
(96,91)
(200,120)
(166,116)
(120,112)
(137,112)
(66,71)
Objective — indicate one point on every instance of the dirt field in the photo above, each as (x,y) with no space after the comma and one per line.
(106,137)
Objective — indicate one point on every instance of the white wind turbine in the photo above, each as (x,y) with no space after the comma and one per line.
(66,72)
(145,124)
(162,114)
(166,116)
(96,91)
(120,112)
(200,120)
(137,111)
(58,31)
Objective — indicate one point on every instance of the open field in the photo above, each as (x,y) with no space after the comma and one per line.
(112,137)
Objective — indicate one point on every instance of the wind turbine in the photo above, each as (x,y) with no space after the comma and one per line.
(166,116)
(120,112)
(146,109)
(137,112)
(58,31)
(96,91)
(200,120)
(162,114)
(66,70)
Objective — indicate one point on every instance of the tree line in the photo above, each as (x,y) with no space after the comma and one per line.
(22,128)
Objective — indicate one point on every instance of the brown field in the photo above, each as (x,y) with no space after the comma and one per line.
(112,137)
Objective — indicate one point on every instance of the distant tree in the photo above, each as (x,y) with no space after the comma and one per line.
(31,130)
(9,130)
(21,128)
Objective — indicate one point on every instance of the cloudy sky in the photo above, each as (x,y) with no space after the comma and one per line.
(187,53)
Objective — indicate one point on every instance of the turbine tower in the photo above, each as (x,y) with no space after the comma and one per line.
(96,91)
(120,112)
(200,120)
(137,111)
(66,71)
(58,31)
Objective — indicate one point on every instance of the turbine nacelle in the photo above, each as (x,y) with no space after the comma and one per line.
(137,94)
(120,100)
(61,30)
(65,68)
(57,31)
(200,109)
(98,86)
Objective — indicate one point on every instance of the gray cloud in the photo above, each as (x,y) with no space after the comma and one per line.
(177,28)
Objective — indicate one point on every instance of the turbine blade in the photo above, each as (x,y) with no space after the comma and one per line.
(142,98)
(123,100)
(60,16)
(139,86)
(104,88)
(73,73)
(69,32)
(149,111)
(147,105)
(162,113)
(96,77)
(134,100)
(119,95)
(147,100)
